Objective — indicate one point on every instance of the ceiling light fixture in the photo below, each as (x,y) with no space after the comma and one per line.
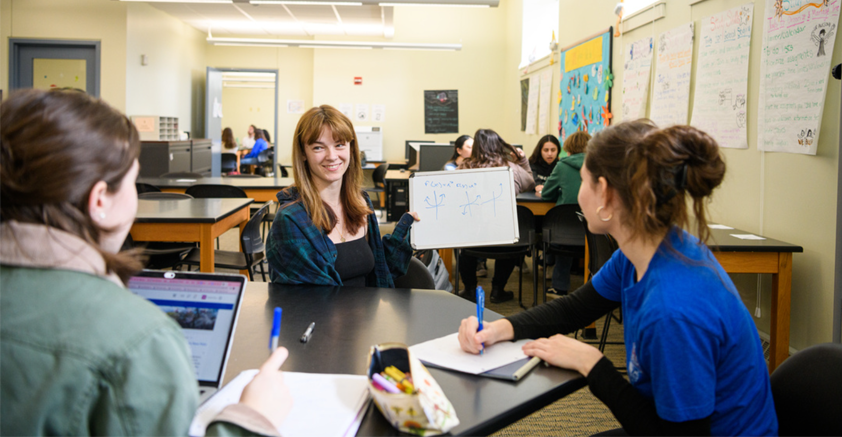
(284,2)
(446,5)
(257,42)
(180,1)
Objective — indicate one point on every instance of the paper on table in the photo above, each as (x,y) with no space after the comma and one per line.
(445,352)
(715,226)
(748,237)
(186,180)
(324,405)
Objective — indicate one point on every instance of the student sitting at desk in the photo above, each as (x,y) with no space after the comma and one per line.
(543,160)
(694,359)
(81,354)
(461,150)
(325,231)
(260,145)
(489,150)
(562,187)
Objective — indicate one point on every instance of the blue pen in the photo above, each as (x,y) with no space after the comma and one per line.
(276,329)
(480,311)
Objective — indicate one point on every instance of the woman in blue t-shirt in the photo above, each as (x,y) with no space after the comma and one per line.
(693,355)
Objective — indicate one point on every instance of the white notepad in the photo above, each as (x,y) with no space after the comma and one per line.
(324,405)
(445,352)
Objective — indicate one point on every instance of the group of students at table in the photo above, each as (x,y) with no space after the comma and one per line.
(256,142)
(82,355)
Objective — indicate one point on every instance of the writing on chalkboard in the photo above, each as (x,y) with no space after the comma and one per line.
(441,112)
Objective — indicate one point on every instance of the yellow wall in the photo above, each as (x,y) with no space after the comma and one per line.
(172,83)
(244,106)
(94,20)
(793,199)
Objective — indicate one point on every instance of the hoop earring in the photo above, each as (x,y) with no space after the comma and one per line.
(610,216)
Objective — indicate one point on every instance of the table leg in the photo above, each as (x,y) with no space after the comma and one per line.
(206,249)
(240,246)
(781,303)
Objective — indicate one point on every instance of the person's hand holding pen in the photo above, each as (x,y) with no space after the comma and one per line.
(471,341)
(267,393)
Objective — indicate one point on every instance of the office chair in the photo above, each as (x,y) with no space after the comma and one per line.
(157,195)
(563,236)
(807,389)
(379,178)
(417,276)
(252,245)
(229,162)
(146,188)
(525,246)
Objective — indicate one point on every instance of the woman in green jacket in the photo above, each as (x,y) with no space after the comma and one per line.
(562,187)
(79,353)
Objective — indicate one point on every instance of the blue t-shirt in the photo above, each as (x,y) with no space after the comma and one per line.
(691,345)
(259,146)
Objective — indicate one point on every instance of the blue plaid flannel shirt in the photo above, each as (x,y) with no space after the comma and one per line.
(300,253)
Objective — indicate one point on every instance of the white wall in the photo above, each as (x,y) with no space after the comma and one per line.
(173,82)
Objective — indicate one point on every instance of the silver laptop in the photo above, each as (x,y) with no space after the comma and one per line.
(206,306)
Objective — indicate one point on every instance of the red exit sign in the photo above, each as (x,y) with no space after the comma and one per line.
(358,80)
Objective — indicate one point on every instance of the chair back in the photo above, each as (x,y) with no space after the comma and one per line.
(379,175)
(251,240)
(146,188)
(206,191)
(244,176)
(601,246)
(417,276)
(264,156)
(807,389)
(562,226)
(525,226)
(182,175)
(283,171)
(229,162)
(163,196)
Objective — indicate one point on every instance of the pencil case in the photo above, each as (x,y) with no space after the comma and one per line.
(424,412)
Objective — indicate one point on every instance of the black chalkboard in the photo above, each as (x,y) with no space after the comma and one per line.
(441,112)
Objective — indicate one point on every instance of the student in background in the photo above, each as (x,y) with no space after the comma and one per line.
(562,187)
(267,137)
(461,150)
(248,141)
(325,231)
(543,160)
(694,359)
(81,354)
(229,145)
(260,145)
(489,150)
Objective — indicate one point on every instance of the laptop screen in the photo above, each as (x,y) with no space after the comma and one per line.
(206,308)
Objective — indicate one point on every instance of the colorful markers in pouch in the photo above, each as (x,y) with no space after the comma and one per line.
(393,380)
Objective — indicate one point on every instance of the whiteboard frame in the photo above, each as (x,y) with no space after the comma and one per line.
(508,169)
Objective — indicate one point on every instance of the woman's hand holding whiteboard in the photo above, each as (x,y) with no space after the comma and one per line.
(464,208)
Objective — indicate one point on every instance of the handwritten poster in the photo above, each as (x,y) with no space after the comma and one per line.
(532,104)
(636,71)
(585,83)
(719,105)
(671,89)
(544,102)
(797,44)
(378,113)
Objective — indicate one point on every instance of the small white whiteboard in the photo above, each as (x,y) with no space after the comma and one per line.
(463,208)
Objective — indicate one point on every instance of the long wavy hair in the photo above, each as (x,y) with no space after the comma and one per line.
(489,151)
(308,130)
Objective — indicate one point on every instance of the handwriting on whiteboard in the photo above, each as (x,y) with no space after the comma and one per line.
(466,205)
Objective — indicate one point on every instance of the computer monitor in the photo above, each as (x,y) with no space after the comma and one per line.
(433,156)
(518,146)
(411,153)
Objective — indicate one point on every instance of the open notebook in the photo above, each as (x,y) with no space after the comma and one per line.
(324,405)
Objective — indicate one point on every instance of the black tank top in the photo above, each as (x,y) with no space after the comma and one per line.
(354,260)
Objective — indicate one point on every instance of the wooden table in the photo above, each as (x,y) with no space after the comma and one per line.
(190,220)
(261,189)
(349,320)
(762,256)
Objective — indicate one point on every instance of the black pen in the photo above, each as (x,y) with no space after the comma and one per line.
(309,332)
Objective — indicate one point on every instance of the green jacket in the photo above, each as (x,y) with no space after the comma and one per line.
(80,354)
(562,187)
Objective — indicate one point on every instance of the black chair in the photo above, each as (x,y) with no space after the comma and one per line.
(229,162)
(153,195)
(244,176)
(159,254)
(600,249)
(265,160)
(525,246)
(251,244)
(562,235)
(182,175)
(283,171)
(146,188)
(807,389)
(417,276)
(379,178)
(213,191)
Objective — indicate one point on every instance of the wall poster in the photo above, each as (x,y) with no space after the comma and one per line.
(585,85)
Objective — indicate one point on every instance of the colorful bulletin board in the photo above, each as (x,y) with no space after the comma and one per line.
(585,85)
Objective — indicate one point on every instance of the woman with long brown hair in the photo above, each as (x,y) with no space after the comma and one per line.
(694,359)
(81,354)
(489,150)
(325,231)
